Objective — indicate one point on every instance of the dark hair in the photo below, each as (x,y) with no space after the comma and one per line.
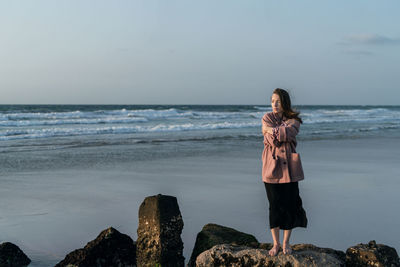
(288,112)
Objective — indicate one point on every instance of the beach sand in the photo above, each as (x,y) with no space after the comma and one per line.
(350,194)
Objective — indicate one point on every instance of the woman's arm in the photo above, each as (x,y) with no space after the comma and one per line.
(269,131)
(288,131)
(266,129)
(277,134)
(267,125)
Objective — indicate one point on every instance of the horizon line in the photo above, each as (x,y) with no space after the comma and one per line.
(195,105)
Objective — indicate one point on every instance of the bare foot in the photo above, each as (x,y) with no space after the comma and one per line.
(274,250)
(287,249)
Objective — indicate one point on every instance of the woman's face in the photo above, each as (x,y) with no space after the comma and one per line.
(276,104)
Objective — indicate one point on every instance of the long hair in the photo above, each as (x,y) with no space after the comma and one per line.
(288,112)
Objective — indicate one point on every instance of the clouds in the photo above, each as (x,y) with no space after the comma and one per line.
(358,52)
(360,45)
(370,39)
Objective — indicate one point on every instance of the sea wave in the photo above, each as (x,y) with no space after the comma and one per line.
(16,123)
(10,134)
(114,116)
(105,120)
(353,130)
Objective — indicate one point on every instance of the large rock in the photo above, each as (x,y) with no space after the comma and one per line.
(12,256)
(372,254)
(214,234)
(159,232)
(303,255)
(110,248)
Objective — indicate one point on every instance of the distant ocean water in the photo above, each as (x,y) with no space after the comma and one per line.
(158,123)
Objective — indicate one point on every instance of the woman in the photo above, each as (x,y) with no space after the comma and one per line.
(282,169)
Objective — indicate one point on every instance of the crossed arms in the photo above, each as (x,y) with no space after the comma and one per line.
(283,133)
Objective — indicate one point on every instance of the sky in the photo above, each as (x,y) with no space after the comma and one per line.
(199,52)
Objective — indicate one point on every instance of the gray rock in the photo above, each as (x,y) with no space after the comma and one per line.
(372,254)
(214,234)
(12,256)
(159,240)
(235,256)
(110,248)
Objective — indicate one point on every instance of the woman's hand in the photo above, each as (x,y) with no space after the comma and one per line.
(266,129)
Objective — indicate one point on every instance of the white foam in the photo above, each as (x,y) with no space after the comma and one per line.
(104,120)
(268,108)
(353,130)
(351,115)
(10,134)
(115,116)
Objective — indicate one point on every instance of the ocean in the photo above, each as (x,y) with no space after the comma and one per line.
(138,128)
(24,127)
(69,171)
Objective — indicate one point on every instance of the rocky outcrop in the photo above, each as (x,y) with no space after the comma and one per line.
(12,256)
(110,248)
(303,255)
(159,244)
(159,233)
(372,254)
(214,234)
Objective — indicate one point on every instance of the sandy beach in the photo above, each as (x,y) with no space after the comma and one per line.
(350,194)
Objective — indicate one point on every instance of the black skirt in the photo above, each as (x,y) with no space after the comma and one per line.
(285,206)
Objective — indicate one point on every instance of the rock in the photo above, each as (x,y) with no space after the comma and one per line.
(159,232)
(338,254)
(214,234)
(302,255)
(372,254)
(12,256)
(110,248)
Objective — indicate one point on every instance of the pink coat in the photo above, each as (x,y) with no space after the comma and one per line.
(280,162)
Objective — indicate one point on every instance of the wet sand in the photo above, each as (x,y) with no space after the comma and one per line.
(350,195)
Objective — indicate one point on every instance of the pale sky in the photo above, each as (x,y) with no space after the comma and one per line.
(199,52)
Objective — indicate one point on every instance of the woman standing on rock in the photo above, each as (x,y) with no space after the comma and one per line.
(282,169)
